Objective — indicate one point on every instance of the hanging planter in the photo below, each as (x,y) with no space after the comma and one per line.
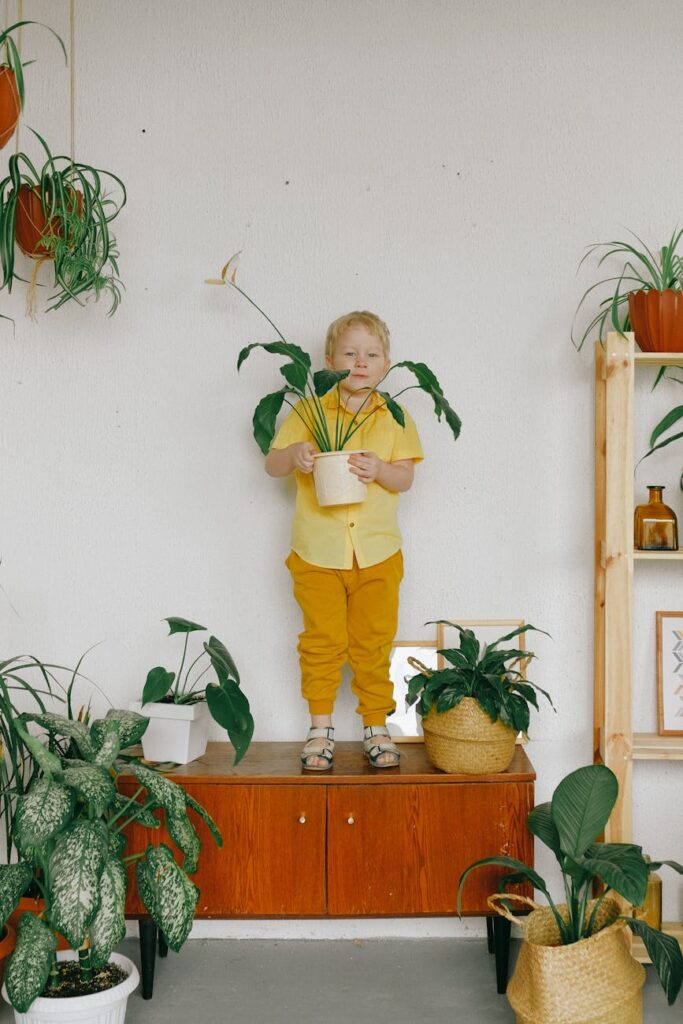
(32,226)
(12,80)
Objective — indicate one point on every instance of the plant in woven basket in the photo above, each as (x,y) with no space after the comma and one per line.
(570,825)
(69,830)
(62,214)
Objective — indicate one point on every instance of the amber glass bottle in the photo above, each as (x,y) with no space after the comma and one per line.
(651,910)
(655,527)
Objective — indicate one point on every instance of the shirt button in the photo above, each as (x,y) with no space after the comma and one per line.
(352,524)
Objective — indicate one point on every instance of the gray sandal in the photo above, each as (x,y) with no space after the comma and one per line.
(374,749)
(313,750)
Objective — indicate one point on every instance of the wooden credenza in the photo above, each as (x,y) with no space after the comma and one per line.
(353,841)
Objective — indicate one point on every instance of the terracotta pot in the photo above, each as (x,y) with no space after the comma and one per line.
(36,905)
(657,319)
(10,107)
(8,941)
(30,223)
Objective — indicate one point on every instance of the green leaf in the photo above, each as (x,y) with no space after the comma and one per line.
(76,864)
(665,954)
(503,862)
(92,783)
(30,963)
(108,927)
(14,881)
(581,806)
(325,380)
(144,816)
(428,382)
(60,725)
(620,866)
(230,708)
(45,759)
(393,407)
(168,894)
(167,794)
(183,833)
(41,813)
(671,417)
(131,727)
(206,817)
(296,376)
(265,417)
(110,745)
(283,348)
(221,659)
(157,684)
(540,823)
(655,865)
(178,625)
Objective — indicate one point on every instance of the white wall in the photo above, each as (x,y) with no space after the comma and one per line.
(442,163)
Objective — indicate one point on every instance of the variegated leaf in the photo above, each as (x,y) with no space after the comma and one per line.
(93,783)
(60,725)
(182,832)
(116,843)
(75,868)
(109,924)
(131,727)
(109,744)
(14,881)
(206,817)
(168,894)
(143,816)
(29,965)
(41,813)
(167,794)
(44,758)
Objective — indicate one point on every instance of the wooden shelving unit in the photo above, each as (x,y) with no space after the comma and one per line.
(615,743)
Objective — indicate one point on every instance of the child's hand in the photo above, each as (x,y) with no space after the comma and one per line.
(302,456)
(366,466)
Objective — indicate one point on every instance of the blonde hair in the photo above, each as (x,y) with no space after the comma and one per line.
(364,317)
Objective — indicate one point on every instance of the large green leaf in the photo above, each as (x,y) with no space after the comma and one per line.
(296,376)
(14,881)
(581,806)
(178,625)
(428,382)
(143,815)
(168,894)
(29,965)
(108,927)
(76,864)
(512,863)
(230,708)
(206,817)
(167,794)
(620,866)
(131,726)
(394,408)
(159,681)
(184,835)
(540,823)
(282,348)
(265,417)
(91,782)
(221,659)
(60,725)
(43,812)
(325,380)
(109,744)
(665,953)
(44,758)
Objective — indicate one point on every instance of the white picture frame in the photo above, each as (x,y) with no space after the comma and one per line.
(670,673)
(405,725)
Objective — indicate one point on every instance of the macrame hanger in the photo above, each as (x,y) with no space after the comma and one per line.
(20,17)
(72,61)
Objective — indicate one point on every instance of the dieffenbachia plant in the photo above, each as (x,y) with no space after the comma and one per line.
(69,830)
(569,825)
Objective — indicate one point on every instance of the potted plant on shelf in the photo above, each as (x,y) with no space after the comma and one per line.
(302,392)
(69,829)
(650,284)
(62,214)
(473,709)
(179,711)
(12,79)
(574,964)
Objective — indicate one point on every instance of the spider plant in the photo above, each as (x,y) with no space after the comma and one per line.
(68,211)
(12,78)
(642,269)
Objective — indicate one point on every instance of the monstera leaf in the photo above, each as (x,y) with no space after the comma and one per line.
(168,894)
(43,812)
(76,865)
(29,965)
(108,927)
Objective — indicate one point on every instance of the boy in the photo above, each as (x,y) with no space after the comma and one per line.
(346,560)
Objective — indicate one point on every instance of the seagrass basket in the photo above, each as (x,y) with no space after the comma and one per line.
(594,981)
(465,741)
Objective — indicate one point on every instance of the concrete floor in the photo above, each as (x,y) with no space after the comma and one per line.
(368,981)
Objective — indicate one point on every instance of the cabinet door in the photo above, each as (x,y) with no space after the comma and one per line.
(272,862)
(400,849)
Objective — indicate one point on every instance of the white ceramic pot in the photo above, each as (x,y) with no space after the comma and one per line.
(176,732)
(108,1007)
(335,484)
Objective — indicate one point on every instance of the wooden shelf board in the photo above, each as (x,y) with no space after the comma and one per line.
(648,746)
(658,556)
(674,928)
(658,358)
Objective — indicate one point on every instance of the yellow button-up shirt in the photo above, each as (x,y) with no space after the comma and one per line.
(331,536)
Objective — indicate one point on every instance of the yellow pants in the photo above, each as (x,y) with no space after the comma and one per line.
(349,614)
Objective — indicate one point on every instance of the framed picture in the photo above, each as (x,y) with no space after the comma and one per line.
(670,673)
(487,630)
(405,725)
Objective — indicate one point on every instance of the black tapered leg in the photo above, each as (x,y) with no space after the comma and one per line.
(148,947)
(501,946)
(163,948)
(489,933)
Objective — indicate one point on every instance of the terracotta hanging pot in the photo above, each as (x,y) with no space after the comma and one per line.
(30,223)
(657,319)
(10,105)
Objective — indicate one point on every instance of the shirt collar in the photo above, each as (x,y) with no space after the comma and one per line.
(375,401)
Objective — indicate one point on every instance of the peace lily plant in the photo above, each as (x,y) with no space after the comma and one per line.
(69,830)
(304,388)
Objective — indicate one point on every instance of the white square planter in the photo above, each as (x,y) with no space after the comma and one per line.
(176,732)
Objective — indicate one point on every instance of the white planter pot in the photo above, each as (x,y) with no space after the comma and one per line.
(107,1007)
(176,732)
(335,484)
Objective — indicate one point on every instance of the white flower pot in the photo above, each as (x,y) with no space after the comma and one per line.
(108,1007)
(176,732)
(335,484)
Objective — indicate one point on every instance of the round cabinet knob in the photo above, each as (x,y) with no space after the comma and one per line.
(302,819)
(350,820)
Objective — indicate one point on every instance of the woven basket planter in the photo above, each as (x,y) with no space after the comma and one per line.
(464,740)
(594,981)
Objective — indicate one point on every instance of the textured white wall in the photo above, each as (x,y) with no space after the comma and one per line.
(442,163)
